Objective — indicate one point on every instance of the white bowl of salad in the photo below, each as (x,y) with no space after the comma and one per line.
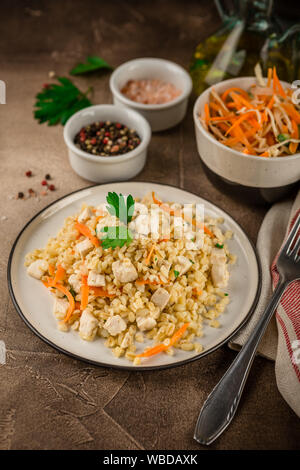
(247,132)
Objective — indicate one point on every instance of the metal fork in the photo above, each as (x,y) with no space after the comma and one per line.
(221,405)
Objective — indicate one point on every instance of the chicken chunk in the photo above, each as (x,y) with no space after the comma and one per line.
(88,326)
(140,208)
(218,256)
(184,263)
(218,233)
(115,325)
(145,323)
(60,308)
(95,279)
(38,268)
(220,275)
(74,283)
(86,214)
(160,298)
(219,271)
(82,248)
(124,271)
(126,341)
(141,224)
(165,268)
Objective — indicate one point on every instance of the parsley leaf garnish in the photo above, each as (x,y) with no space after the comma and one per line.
(283,137)
(217,245)
(57,103)
(72,292)
(92,64)
(176,273)
(116,236)
(118,207)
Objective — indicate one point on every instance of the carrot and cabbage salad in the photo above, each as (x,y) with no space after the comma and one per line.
(262,121)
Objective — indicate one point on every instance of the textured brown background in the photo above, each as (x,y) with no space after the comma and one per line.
(48,400)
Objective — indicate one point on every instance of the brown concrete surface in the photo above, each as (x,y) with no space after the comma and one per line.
(48,400)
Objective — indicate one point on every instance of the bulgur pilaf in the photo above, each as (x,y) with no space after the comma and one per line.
(161,284)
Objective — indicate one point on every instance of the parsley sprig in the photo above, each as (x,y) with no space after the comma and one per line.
(58,102)
(118,207)
(119,235)
(92,64)
(116,236)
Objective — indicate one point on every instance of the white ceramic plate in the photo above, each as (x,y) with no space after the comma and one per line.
(34,304)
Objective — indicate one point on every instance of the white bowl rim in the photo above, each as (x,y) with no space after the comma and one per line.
(153,107)
(215,141)
(114,159)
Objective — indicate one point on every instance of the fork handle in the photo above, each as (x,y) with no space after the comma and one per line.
(221,405)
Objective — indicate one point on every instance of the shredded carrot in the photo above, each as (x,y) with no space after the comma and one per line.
(155,200)
(239,99)
(162,347)
(100,292)
(215,107)
(148,259)
(197,291)
(271,102)
(84,293)
(264,154)
(291,112)
(177,335)
(84,230)
(152,351)
(65,291)
(239,121)
(163,240)
(269,76)
(60,274)
(142,282)
(277,85)
(206,111)
(270,139)
(239,90)
(222,118)
(295,135)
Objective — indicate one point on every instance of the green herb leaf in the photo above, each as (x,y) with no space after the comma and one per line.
(57,103)
(283,137)
(226,295)
(118,207)
(92,64)
(176,273)
(193,262)
(217,245)
(72,292)
(116,236)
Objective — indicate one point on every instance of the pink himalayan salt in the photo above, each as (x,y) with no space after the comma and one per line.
(150,91)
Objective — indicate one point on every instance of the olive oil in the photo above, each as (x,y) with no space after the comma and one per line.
(248,36)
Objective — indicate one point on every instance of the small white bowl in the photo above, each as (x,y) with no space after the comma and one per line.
(160,116)
(104,169)
(235,167)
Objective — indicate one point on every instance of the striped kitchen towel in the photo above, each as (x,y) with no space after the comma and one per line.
(281,341)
